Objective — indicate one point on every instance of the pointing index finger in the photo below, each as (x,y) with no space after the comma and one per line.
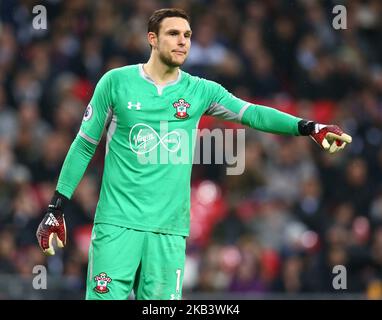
(343,137)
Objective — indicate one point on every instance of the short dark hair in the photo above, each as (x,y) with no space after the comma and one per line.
(158,15)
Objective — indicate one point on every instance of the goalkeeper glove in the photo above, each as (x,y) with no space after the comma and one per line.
(53,225)
(329,137)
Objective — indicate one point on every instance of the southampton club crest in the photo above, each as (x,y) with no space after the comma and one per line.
(181,109)
(102,281)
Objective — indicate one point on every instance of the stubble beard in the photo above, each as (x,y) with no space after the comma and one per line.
(169,61)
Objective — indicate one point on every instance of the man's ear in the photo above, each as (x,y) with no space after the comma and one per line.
(152,38)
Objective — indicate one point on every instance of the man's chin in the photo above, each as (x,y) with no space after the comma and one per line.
(174,62)
(177,63)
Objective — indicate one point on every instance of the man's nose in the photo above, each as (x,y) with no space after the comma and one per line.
(182,40)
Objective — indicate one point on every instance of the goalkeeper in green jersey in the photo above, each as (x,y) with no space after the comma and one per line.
(143,215)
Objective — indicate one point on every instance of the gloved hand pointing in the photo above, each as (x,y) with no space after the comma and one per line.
(330,137)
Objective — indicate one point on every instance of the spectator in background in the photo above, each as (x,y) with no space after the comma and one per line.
(207,52)
(291,280)
(31,131)
(8,121)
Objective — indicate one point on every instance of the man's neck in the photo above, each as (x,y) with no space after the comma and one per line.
(159,72)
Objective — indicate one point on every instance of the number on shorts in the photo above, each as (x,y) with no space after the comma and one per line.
(178,272)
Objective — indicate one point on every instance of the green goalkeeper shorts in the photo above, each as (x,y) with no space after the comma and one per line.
(123,260)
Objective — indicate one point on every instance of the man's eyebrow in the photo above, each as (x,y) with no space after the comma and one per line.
(177,30)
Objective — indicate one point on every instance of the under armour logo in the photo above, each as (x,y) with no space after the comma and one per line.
(136,105)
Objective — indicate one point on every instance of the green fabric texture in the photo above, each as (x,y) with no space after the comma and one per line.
(151,134)
(270,120)
(122,260)
(75,164)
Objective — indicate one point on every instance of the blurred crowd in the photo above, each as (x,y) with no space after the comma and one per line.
(281,226)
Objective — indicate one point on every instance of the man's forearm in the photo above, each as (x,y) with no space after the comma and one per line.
(271,120)
(75,164)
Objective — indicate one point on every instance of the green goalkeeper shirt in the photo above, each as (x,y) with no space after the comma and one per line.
(151,133)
